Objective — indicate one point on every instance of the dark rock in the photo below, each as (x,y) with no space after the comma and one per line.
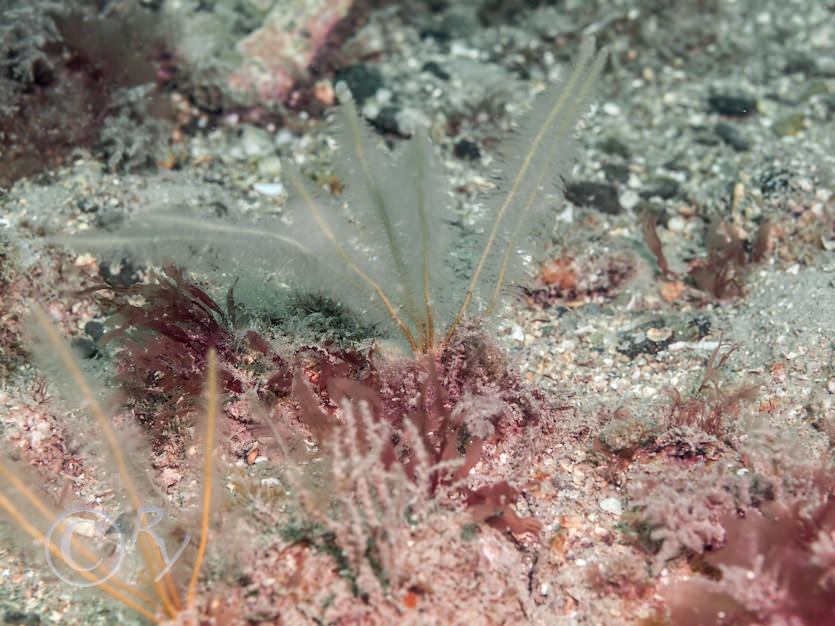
(600,196)
(126,275)
(84,347)
(85,205)
(615,172)
(466,149)
(495,12)
(733,106)
(362,80)
(775,181)
(435,69)
(613,145)
(440,36)
(94,330)
(731,136)
(19,618)
(386,122)
(437,6)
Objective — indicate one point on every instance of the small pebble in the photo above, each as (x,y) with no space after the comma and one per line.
(612,505)
(269,189)
(517,334)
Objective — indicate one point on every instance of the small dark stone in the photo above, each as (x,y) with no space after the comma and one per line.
(94,330)
(632,346)
(386,122)
(616,173)
(733,106)
(661,187)
(126,276)
(440,36)
(731,136)
(613,145)
(600,196)
(19,618)
(775,181)
(466,149)
(85,205)
(629,349)
(701,325)
(220,209)
(435,69)
(84,347)
(362,80)
(494,12)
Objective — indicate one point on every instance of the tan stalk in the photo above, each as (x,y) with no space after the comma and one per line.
(311,206)
(380,205)
(49,515)
(428,337)
(563,129)
(232,229)
(567,93)
(211,418)
(151,555)
(36,534)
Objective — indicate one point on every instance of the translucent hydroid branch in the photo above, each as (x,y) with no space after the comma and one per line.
(387,247)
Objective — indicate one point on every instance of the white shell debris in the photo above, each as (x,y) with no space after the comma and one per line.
(269,189)
(612,505)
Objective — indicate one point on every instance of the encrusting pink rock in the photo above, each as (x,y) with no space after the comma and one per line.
(278,54)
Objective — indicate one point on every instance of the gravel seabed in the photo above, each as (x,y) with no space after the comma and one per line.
(654,135)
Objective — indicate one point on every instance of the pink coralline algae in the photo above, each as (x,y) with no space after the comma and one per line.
(278,54)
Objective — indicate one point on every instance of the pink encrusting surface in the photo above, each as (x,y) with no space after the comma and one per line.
(279,53)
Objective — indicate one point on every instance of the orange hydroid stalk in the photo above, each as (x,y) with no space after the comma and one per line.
(150,551)
(48,514)
(20,519)
(211,417)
